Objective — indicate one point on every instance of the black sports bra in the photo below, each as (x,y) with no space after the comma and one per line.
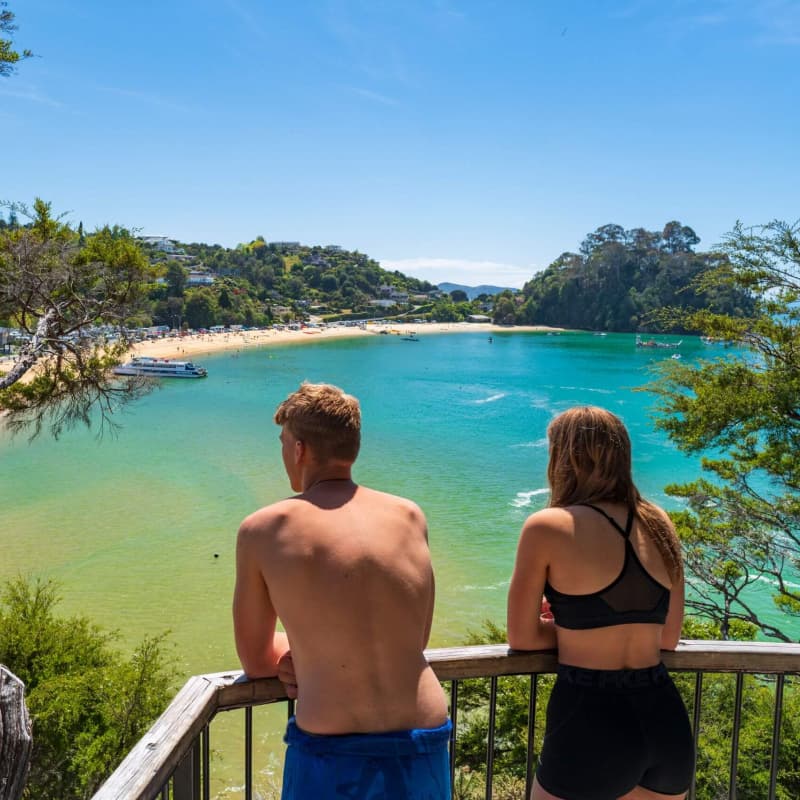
(633,596)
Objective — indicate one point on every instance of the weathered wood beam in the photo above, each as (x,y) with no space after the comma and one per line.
(15,736)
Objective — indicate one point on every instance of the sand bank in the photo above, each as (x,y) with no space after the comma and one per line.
(200,344)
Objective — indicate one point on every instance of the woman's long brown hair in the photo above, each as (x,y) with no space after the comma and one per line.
(590,462)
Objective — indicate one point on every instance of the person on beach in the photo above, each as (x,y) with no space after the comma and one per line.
(599,577)
(348,572)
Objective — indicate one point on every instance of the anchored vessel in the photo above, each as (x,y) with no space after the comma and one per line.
(161,368)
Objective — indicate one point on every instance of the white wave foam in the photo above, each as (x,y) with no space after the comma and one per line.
(774,582)
(470,587)
(524,499)
(538,443)
(586,389)
(491,399)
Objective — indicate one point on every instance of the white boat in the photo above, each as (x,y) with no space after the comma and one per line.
(160,368)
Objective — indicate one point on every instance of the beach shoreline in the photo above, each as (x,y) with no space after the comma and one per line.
(195,345)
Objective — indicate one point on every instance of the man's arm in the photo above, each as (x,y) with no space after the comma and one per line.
(258,644)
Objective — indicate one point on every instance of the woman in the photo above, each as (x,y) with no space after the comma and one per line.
(609,566)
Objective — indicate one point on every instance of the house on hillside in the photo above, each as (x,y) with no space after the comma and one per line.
(197,277)
(392,293)
(162,243)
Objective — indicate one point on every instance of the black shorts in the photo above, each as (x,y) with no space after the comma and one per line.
(611,730)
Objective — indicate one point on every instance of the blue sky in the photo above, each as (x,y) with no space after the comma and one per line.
(463,141)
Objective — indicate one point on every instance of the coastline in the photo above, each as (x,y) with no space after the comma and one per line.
(182,348)
(199,344)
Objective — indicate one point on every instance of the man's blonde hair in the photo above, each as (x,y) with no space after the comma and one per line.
(325,418)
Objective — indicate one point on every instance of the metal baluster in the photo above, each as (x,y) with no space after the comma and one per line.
(186,778)
(454,722)
(698,696)
(531,728)
(490,738)
(737,723)
(196,767)
(248,753)
(206,764)
(776,737)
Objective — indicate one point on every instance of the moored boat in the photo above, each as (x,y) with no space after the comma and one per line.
(160,368)
(653,343)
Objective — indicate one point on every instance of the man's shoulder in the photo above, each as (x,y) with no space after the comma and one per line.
(402,504)
(268,519)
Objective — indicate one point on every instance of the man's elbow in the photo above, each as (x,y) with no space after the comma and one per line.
(255,667)
(257,662)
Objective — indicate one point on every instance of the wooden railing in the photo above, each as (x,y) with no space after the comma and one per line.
(172,760)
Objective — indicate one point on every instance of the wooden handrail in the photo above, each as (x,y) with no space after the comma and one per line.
(150,763)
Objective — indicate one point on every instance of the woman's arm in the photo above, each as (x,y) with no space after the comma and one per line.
(527,630)
(671,632)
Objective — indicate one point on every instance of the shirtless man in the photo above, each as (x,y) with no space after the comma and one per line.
(348,572)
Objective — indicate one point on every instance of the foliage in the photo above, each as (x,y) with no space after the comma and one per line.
(619,278)
(9,57)
(89,705)
(57,290)
(741,526)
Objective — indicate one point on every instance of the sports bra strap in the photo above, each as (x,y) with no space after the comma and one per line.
(628,525)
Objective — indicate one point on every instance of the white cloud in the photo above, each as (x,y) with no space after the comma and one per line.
(33,96)
(462,270)
(375,96)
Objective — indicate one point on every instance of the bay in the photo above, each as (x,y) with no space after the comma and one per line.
(139,529)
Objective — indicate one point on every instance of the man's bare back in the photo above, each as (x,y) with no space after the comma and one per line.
(349,576)
(347,571)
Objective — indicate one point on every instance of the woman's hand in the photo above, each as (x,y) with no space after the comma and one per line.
(546,615)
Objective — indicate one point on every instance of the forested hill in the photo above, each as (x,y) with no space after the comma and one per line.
(261,282)
(619,278)
(341,277)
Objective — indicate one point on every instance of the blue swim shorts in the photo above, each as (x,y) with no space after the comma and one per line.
(398,765)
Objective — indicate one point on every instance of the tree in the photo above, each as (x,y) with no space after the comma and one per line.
(71,302)
(677,238)
(176,279)
(89,704)
(504,308)
(9,57)
(741,526)
(459,296)
(201,309)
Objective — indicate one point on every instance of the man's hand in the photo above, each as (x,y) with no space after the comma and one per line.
(286,674)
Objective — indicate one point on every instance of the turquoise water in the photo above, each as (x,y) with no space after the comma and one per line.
(129,526)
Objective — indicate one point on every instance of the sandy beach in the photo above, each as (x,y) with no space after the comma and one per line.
(196,345)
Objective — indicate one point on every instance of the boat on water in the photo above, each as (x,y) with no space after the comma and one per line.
(653,343)
(160,368)
(711,341)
